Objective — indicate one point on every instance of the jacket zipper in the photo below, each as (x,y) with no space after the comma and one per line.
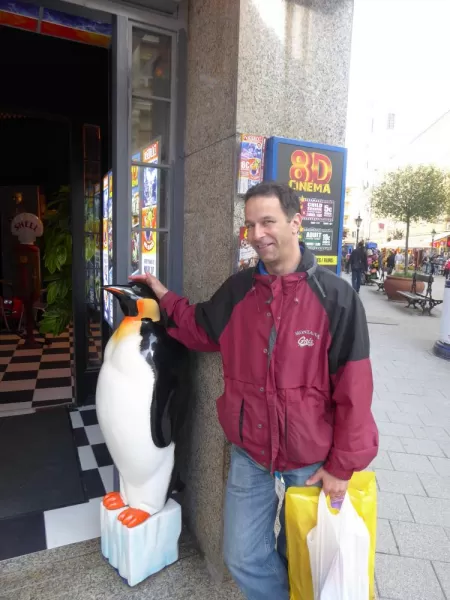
(241,422)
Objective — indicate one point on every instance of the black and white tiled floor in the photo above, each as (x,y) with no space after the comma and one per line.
(37,378)
(40,378)
(77,523)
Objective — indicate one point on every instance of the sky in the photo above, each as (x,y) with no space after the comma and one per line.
(400,62)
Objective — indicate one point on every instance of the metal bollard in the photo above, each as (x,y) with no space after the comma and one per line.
(442,346)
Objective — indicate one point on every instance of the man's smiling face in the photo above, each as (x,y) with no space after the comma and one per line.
(270,232)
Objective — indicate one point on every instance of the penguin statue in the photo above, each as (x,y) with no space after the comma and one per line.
(141,402)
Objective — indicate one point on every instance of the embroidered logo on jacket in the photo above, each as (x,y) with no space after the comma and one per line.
(307,338)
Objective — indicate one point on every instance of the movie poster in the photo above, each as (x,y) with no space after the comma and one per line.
(247,255)
(149,211)
(251,162)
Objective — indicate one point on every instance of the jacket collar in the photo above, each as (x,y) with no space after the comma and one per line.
(307,265)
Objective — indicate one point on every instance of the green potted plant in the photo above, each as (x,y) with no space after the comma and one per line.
(57,256)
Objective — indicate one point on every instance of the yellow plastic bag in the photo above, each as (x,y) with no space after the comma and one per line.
(301,516)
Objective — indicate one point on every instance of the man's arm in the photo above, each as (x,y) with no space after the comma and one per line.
(355,442)
(197,326)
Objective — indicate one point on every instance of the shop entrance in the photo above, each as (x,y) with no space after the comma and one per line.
(55,93)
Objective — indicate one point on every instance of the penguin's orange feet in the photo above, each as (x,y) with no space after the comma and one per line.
(132,517)
(113,501)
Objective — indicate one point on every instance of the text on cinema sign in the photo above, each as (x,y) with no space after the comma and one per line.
(310,172)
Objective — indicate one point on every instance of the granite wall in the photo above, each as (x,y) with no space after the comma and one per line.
(269,67)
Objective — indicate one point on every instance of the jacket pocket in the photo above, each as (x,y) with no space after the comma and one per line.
(230,411)
(241,421)
(309,425)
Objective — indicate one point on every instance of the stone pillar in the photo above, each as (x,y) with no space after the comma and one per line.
(265,67)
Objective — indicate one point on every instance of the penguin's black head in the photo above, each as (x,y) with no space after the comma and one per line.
(136,300)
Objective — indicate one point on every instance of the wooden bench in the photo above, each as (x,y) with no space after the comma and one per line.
(425,301)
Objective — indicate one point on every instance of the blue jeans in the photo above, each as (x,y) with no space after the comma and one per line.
(356,279)
(257,566)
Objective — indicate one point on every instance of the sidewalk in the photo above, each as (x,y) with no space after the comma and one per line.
(412,409)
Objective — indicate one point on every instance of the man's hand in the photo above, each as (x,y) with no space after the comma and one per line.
(332,486)
(152,283)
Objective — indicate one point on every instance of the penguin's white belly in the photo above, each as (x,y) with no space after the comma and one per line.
(123,401)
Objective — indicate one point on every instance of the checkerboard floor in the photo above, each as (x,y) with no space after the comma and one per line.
(77,523)
(38,378)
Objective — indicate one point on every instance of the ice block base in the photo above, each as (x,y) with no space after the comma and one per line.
(141,551)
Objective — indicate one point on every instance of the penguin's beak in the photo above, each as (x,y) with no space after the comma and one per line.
(133,305)
(126,297)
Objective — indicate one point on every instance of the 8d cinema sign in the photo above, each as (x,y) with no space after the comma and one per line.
(316,173)
(310,172)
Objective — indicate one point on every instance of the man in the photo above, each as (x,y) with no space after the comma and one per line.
(390,263)
(358,264)
(298,383)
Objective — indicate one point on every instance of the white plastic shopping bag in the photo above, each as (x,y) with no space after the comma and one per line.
(339,553)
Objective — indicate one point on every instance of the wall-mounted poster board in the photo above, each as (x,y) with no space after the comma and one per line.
(317,173)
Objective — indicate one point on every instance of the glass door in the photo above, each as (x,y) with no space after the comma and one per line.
(151,125)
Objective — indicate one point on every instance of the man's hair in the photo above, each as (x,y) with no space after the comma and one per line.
(289,200)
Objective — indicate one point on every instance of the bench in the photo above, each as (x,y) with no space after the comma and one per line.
(425,301)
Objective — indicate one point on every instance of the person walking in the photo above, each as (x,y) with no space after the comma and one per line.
(298,382)
(358,263)
(390,263)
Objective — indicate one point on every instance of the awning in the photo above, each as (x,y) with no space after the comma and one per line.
(416,241)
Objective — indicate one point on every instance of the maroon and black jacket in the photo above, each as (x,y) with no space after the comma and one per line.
(295,353)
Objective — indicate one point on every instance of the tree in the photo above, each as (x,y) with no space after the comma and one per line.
(411,194)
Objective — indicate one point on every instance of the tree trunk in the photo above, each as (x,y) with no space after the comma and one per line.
(406,247)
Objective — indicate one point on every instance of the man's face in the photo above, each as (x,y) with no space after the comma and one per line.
(269,231)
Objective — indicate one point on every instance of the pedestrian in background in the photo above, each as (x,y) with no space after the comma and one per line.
(358,263)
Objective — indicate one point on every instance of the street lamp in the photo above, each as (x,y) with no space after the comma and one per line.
(358,222)
(433,233)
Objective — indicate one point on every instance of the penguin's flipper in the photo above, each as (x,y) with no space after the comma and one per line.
(161,426)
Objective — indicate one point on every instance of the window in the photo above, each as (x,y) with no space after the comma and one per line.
(151,110)
(391,121)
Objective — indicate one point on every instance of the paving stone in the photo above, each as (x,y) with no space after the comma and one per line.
(400,578)
(442,465)
(427,447)
(443,572)
(438,434)
(435,485)
(411,463)
(445,447)
(385,538)
(380,415)
(435,421)
(390,442)
(395,429)
(400,483)
(404,418)
(382,461)
(393,506)
(386,405)
(415,408)
(430,511)
(422,541)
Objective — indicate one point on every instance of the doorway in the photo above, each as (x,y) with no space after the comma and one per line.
(54,91)
(54,149)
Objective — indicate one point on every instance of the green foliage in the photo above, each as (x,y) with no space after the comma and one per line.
(58,264)
(407,275)
(412,194)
